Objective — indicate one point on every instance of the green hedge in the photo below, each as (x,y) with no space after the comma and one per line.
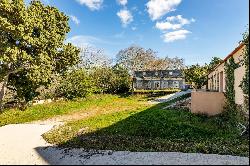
(156,92)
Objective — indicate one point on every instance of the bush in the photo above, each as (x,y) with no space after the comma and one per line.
(115,80)
(50,91)
(76,84)
(123,80)
(156,92)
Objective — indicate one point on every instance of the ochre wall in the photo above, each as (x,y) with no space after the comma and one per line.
(239,74)
(209,103)
(238,56)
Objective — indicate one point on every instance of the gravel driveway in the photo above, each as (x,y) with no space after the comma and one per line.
(23,144)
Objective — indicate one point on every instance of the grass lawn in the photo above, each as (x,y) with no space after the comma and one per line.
(96,104)
(150,128)
(155,93)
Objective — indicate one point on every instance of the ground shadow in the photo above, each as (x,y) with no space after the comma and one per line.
(54,155)
(155,129)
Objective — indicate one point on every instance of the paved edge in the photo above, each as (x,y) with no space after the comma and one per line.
(23,144)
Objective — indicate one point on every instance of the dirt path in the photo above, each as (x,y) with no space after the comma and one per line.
(90,112)
(18,143)
(22,144)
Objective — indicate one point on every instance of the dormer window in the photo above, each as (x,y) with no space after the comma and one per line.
(144,73)
(156,73)
(170,73)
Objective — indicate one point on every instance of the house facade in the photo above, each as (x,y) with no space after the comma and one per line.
(216,78)
(158,80)
(212,102)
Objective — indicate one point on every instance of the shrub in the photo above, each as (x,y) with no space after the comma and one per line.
(123,80)
(50,91)
(76,83)
(113,80)
(156,92)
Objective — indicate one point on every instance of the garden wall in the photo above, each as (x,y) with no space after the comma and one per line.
(209,103)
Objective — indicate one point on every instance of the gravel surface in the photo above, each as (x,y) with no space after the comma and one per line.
(169,97)
(23,144)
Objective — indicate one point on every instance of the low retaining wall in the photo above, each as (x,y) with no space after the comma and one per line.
(209,103)
(36,102)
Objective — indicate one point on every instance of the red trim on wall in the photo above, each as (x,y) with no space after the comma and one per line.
(229,56)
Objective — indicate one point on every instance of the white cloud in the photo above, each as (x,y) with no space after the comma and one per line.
(125,16)
(91,4)
(82,40)
(122,2)
(158,8)
(173,22)
(167,25)
(134,8)
(134,28)
(175,35)
(75,19)
(120,35)
(85,40)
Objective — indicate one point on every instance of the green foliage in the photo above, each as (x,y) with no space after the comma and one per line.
(150,129)
(170,90)
(214,62)
(103,103)
(245,81)
(196,74)
(32,45)
(111,80)
(231,114)
(155,93)
(123,80)
(230,66)
(50,91)
(103,79)
(76,84)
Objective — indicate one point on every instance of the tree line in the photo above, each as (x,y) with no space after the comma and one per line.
(35,62)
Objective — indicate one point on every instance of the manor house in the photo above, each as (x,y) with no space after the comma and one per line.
(158,79)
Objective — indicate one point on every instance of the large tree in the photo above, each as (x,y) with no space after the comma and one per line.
(196,74)
(214,62)
(32,46)
(91,57)
(136,58)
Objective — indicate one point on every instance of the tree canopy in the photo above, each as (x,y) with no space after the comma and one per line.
(196,74)
(214,62)
(136,58)
(91,57)
(32,45)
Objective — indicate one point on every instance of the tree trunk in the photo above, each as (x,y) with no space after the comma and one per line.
(3,88)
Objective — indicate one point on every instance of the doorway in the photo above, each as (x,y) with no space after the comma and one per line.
(157,85)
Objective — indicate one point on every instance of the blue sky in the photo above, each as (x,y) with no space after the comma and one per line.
(195,30)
